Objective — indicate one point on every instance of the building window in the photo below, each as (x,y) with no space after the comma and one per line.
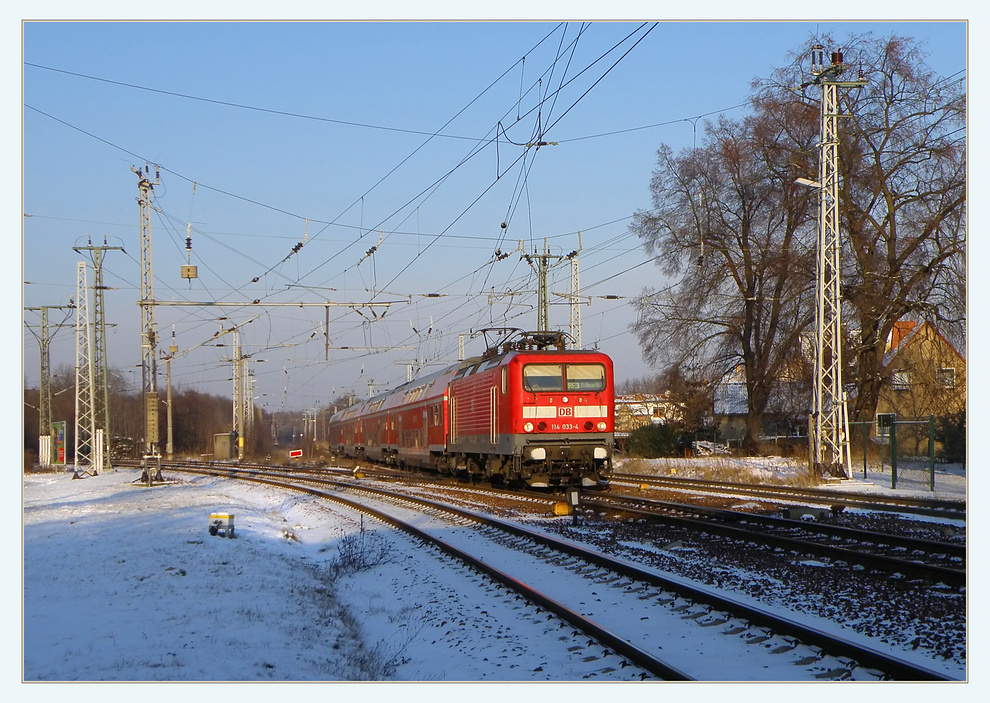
(902,380)
(946,378)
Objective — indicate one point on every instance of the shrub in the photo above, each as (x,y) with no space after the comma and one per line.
(358,552)
(950,431)
(653,441)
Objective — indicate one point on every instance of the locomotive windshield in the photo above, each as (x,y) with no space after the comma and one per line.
(585,377)
(542,378)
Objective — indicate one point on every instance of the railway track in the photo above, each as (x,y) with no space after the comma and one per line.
(580,586)
(950,509)
(936,561)
(917,558)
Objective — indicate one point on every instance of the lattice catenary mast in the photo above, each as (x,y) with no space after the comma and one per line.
(101,393)
(45,447)
(541,265)
(151,460)
(87,450)
(829,421)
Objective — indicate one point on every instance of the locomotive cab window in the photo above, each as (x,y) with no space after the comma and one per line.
(540,378)
(585,377)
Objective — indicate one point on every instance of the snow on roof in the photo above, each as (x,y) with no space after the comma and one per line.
(731,398)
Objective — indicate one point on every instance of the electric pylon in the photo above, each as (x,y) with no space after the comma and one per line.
(238,393)
(243,400)
(151,460)
(45,400)
(101,395)
(88,456)
(575,297)
(540,263)
(830,431)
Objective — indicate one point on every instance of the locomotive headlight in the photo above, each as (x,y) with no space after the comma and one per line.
(602,426)
(528,427)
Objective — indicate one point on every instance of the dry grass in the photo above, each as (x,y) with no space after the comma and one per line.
(726,469)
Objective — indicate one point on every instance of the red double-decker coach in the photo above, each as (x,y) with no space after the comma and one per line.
(528,411)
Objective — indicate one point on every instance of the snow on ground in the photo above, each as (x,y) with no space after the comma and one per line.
(950,479)
(124,583)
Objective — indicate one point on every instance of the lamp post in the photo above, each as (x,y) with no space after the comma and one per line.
(829,431)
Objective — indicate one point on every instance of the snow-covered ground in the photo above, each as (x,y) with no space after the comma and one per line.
(913,478)
(123,583)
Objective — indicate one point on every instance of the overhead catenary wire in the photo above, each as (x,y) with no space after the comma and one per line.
(250,200)
(549,98)
(524,153)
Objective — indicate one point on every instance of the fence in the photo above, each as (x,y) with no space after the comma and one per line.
(907,447)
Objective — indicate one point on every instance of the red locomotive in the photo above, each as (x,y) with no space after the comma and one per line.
(522,412)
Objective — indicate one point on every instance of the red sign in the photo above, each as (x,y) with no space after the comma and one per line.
(295,453)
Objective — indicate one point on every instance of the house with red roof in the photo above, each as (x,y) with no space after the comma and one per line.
(926,374)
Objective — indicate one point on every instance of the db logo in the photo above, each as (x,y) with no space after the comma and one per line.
(563,411)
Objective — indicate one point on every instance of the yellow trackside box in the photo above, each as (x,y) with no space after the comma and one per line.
(560,509)
(222,522)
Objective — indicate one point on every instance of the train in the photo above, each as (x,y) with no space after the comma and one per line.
(528,412)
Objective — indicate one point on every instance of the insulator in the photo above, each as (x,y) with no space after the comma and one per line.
(817,58)
(836,58)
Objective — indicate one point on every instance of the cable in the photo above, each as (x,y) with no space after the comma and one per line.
(241,106)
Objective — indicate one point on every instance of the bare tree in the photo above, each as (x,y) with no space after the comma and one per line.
(902,198)
(736,238)
(733,230)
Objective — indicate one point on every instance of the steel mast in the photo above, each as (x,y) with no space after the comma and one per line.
(540,263)
(151,461)
(88,455)
(830,423)
(575,297)
(45,447)
(101,397)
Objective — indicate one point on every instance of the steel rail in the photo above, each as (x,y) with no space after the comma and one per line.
(926,506)
(836,645)
(952,577)
(624,648)
(951,551)
(837,531)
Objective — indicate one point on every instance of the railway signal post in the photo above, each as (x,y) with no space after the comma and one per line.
(829,429)
(151,458)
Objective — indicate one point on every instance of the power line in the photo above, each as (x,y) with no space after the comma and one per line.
(253,108)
